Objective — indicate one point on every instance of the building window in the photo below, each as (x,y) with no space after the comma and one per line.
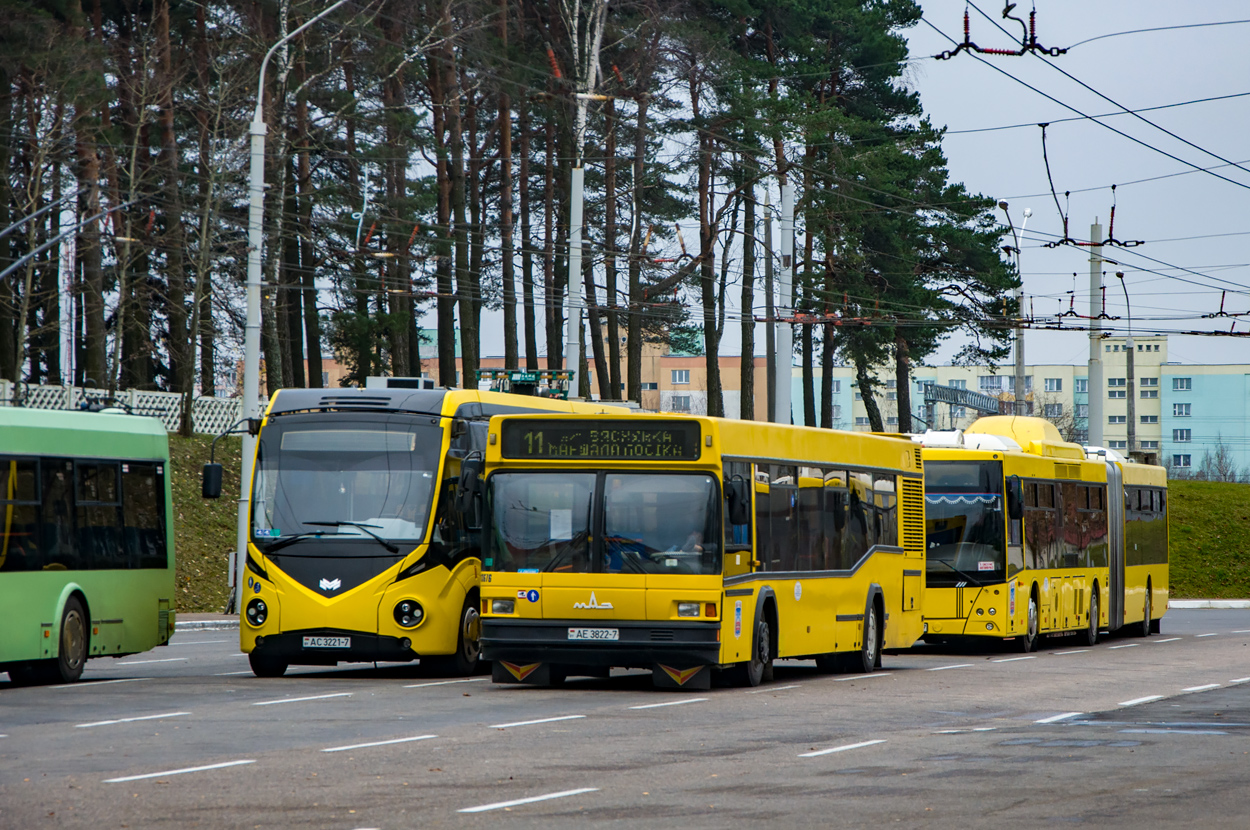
(1113,382)
(1117,419)
(681,403)
(858,397)
(1156,347)
(891,396)
(1180,460)
(1117,393)
(1150,445)
(892,421)
(990,383)
(1011,383)
(1054,384)
(958,384)
(1181,410)
(1081,436)
(861,422)
(1118,445)
(1148,382)
(959,412)
(891,384)
(1182,384)
(1082,410)
(1182,436)
(681,376)
(1108,348)
(325,379)
(1150,393)
(1150,419)
(1080,385)
(837,386)
(1052,410)
(837,411)
(650,386)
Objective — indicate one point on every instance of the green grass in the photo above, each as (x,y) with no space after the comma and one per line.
(204,530)
(1210,539)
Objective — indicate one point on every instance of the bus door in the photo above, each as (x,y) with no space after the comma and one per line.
(1115,521)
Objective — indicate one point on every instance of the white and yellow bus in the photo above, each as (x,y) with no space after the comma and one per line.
(359,550)
(689,546)
(1025,536)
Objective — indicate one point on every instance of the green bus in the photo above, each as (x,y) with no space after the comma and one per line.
(86,547)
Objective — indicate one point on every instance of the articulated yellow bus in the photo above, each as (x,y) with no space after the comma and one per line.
(691,545)
(359,549)
(1025,536)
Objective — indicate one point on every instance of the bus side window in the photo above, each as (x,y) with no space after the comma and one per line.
(763,526)
(784,533)
(834,519)
(143,514)
(737,537)
(19,509)
(57,531)
(886,501)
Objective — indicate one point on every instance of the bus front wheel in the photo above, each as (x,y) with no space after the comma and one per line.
(1028,641)
(468,644)
(1091,634)
(264,666)
(1144,630)
(752,672)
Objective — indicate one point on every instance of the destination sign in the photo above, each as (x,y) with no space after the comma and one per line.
(602,440)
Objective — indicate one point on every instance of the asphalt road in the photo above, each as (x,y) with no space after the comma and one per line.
(1130,733)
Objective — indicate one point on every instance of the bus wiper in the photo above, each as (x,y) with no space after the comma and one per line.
(569,547)
(362,526)
(290,540)
(964,574)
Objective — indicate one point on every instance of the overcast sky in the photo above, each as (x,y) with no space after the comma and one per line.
(1195,226)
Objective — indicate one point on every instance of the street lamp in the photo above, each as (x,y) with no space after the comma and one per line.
(1130,390)
(1020,406)
(251,330)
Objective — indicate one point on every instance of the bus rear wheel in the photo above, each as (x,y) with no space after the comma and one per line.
(1091,633)
(870,651)
(265,666)
(1028,640)
(1146,627)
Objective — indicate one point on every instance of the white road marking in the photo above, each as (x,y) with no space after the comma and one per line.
(841,748)
(956,666)
(670,703)
(379,743)
(1014,659)
(198,642)
(162,660)
(1213,634)
(1168,640)
(862,676)
(772,689)
(1126,645)
(175,772)
(499,805)
(965,731)
(87,684)
(1062,653)
(1176,731)
(1138,700)
(1202,688)
(532,722)
(301,699)
(445,682)
(130,720)
(1242,631)
(1241,680)
(1057,718)
(233,673)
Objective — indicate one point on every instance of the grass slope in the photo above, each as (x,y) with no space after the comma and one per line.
(204,530)
(1210,539)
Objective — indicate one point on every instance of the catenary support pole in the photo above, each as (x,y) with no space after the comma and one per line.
(573,317)
(1095,386)
(770,311)
(785,306)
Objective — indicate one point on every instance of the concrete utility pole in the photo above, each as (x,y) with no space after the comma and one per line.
(1020,406)
(573,319)
(251,329)
(1131,417)
(1095,388)
(785,335)
(770,311)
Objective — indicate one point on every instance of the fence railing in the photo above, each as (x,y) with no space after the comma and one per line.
(209,416)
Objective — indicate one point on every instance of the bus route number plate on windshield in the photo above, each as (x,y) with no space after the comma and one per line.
(327,642)
(594,634)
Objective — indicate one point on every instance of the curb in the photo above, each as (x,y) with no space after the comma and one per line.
(1209,603)
(206,625)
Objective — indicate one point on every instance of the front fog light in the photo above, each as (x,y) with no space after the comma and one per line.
(257,612)
(687,609)
(980,612)
(409,613)
(993,611)
(502,606)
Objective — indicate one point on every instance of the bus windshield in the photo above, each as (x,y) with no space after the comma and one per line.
(654,524)
(964,524)
(335,479)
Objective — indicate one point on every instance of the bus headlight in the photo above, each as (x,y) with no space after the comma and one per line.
(993,611)
(257,612)
(409,613)
(687,609)
(502,606)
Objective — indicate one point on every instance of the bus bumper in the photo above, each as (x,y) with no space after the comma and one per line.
(640,644)
(291,647)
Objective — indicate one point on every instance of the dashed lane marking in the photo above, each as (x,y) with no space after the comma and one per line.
(1057,718)
(670,703)
(863,676)
(87,684)
(1202,688)
(380,743)
(1212,634)
(301,699)
(834,749)
(445,682)
(1137,700)
(772,689)
(130,720)
(1063,653)
(198,642)
(516,802)
(533,722)
(1168,640)
(162,660)
(1241,680)
(1126,645)
(956,666)
(1014,659)
(176,772)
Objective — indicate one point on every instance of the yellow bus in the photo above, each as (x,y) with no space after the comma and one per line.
(690,546)
(359,550)
(1025,536)
(1139,560)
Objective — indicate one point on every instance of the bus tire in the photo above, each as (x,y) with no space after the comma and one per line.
(265,666)
(74,645)
(1091,631)
(1146,625)
(870,650)
(1028,640)
(464,663)
(751,673)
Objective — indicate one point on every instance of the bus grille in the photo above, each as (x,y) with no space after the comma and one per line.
(913,516)
(665,635)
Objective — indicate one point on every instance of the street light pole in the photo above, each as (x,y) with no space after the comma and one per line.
(251,329)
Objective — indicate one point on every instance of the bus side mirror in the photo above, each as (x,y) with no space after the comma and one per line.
(1015,498)
(739,501)
(467,487)
(210,485)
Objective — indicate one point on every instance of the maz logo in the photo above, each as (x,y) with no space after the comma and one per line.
(594,605)
(331,584)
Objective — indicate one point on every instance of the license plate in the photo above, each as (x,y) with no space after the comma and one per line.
(594,634)
(327,642)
